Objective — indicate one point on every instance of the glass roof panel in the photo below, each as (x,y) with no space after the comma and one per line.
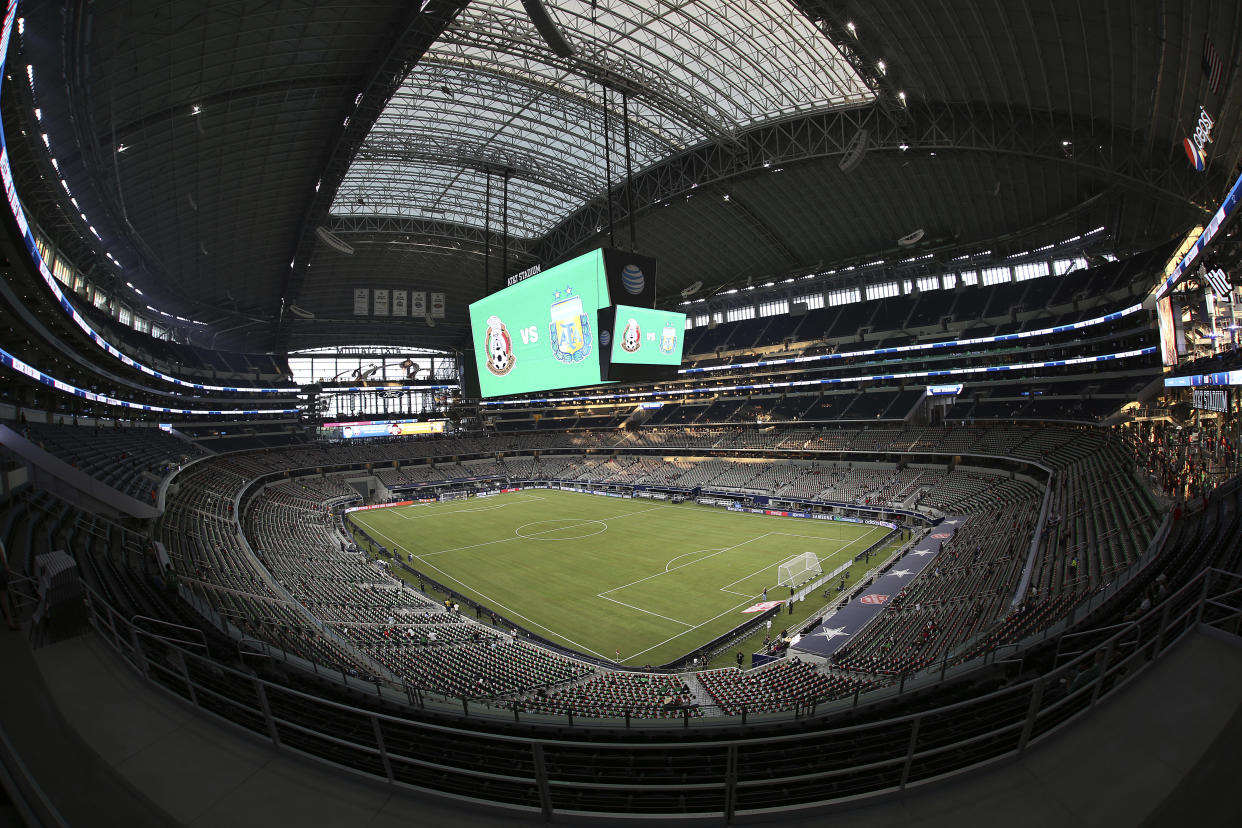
(491,96)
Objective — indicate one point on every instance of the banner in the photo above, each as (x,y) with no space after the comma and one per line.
(418,303)
(437,306)
(398,303)
(381,302)
(362,299)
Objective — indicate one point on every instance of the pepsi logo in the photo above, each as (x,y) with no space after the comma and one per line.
(873,599)
(1198,158)
(632,279)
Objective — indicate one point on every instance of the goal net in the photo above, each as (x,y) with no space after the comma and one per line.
(452,496)
(798,569)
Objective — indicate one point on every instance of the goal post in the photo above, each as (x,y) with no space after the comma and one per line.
(445,496)
(798,570)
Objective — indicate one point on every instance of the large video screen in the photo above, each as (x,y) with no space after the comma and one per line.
(645,336)
(540,333)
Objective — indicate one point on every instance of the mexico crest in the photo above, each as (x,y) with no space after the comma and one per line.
(498,347)
(570,329)
(631,337)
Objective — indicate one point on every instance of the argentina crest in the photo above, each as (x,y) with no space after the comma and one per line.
(668,338)
(570,329)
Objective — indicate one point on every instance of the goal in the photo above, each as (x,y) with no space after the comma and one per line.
(798,569)
(452,496)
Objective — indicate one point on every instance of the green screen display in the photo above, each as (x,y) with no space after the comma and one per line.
(645,336)
(540,333)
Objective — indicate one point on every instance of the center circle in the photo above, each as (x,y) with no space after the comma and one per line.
(561,529)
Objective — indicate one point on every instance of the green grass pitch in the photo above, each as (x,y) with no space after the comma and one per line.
(603,575)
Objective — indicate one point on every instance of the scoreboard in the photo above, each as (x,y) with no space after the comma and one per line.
(541,333)
(554,329)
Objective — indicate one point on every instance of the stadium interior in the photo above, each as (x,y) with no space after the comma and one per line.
(309,469)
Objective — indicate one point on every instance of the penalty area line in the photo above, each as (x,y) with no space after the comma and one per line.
(640,609)
(683,566)
(732,609)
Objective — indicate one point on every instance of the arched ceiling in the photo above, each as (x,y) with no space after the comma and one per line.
(208,143)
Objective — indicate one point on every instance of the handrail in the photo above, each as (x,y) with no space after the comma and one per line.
(202,637)
(578,449)
(1024,714)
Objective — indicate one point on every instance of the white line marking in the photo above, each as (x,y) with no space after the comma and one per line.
(731,609)
(579,525)
(493,603)
(640,609)
(683,566)
(523,537)
(431,509)
(685,554)
(604,595)
(515,614)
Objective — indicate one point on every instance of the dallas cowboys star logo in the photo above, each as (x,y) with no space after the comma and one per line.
(901,573)
(921,552)
(832,632)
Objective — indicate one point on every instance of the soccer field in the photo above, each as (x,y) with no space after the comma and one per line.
(603,575)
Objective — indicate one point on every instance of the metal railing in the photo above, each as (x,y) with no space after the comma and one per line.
(682,769)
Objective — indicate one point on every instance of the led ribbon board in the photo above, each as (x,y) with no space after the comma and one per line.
(682,393)
(1227,206)
(10,361)
(23,227)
